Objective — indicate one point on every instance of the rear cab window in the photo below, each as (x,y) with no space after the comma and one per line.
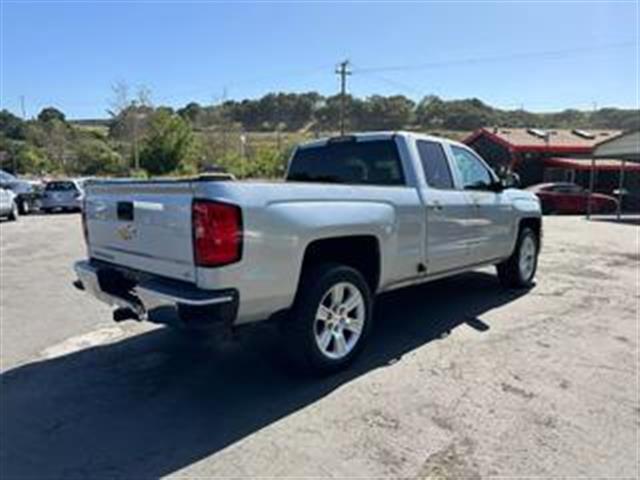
(435,164)
(366,162)
(60,187)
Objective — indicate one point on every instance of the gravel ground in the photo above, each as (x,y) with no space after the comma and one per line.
(461,378)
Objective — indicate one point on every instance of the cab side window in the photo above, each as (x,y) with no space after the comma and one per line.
(435,164)
(474,174)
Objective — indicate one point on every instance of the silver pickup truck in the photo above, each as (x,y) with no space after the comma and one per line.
(357,216)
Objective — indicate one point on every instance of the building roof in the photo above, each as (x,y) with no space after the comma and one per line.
(601,164)
(553,140)
(625,147)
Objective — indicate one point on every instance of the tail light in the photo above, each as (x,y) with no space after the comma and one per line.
(217,233)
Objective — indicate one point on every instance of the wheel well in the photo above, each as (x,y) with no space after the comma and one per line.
(359,252)
(534,224)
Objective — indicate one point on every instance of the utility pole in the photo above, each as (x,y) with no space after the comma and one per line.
(343,71)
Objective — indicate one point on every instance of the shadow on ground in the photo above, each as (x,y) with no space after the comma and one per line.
(634,221)
(152,404)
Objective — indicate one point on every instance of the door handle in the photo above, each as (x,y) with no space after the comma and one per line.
(437,206)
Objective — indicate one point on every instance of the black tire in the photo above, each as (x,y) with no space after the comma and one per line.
(509,271)
(13,216)
(548,209)
(23,207)
(299,329)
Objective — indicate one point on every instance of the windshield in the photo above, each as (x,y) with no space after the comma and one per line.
(61,186)
(374,162)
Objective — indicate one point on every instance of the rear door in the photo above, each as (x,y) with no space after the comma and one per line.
(142,225)
(449,212)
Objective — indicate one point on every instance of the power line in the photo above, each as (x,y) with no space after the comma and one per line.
(497,58)
(392,82)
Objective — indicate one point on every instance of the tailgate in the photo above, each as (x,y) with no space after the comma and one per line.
(143,225)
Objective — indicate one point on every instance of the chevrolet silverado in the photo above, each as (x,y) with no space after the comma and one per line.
(357,216)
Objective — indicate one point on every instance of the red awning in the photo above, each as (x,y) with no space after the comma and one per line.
(602,164)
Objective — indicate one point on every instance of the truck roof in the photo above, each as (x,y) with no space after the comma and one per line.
(369,136)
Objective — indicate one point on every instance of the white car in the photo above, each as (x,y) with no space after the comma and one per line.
(8,204)
(27,192)
(62,195)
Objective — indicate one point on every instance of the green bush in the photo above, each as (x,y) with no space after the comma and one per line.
(169,144)
(264,162)
(95,157)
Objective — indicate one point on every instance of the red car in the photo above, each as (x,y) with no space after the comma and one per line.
(571,198)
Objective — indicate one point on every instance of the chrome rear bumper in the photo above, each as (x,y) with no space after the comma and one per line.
(157,299)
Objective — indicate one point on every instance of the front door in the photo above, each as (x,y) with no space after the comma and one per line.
(492,219)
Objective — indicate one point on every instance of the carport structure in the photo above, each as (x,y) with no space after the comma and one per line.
(625,148)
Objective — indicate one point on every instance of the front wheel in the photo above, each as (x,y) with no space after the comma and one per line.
(24,207)
(331,319)
(520,268)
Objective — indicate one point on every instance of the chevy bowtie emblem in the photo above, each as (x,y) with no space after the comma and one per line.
(127,232)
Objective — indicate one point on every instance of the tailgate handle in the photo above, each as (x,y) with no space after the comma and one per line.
(125,211)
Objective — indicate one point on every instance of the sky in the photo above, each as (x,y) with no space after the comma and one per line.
(541,56)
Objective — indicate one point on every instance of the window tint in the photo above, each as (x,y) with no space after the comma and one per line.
(60,186)
(474,173)
(435,165)
(373,162)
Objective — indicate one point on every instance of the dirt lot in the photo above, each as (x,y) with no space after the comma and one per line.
(461,379)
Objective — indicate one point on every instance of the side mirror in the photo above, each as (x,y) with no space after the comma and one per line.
(511,180)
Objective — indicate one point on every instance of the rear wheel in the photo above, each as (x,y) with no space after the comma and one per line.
(331,319)
(519,270)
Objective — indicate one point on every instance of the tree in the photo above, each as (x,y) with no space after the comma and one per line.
(11,126)
(50,114)
(55,135)
(31,159)
(385,113)
(129,117)
(169,144)
(95,157)
(192,112)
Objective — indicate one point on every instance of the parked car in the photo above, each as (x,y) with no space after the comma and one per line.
(62,195)
(357,216)
(564,197)
(8,204)
(27,192)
